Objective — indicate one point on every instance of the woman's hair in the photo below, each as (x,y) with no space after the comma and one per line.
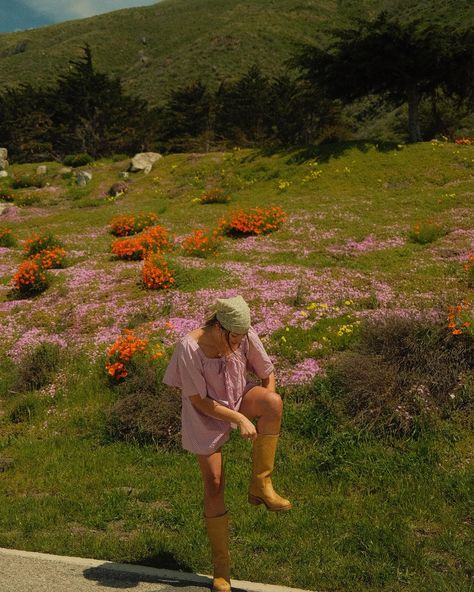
(212,321)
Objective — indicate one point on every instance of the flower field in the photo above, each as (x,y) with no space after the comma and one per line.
(319,244)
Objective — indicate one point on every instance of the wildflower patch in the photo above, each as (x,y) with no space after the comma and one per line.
(253,221)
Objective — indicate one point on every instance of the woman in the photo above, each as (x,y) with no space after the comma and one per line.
(210,367)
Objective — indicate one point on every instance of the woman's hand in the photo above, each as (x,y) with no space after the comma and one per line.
(247,429)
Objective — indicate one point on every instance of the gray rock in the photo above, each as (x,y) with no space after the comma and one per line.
(3,165)
(144,161)
(118,189)
(124,175)
(65,170)
(3,174)
(3,154)
(42,169)
(83,177)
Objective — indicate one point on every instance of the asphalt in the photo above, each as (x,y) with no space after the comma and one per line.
(24,571)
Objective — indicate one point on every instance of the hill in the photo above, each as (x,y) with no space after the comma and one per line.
(159,47)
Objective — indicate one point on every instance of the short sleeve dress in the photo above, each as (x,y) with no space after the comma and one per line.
(224,379)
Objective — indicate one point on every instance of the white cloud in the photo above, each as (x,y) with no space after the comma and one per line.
(61,10)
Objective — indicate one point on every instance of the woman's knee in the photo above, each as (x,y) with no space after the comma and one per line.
(274,403)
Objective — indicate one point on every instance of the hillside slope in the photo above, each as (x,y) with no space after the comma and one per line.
(156,48)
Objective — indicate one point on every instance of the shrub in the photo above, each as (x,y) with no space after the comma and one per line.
(51,258)
(122,356)
(30,278)
(254,221)
(129,224)
(38,367)
(6,195)
(40,242)
(469,269)
(156,274)
(137,247)
(130,249)
(6,237)
(26,409)
(460,319)
(77,160)
(426,232)
(145,418)
(404,375)
(28,181)
(215,195)
(201,243)
(155,239)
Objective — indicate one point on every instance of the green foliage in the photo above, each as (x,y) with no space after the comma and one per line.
(400,60)
(427,232)
(6,195)
(77,160)
(25,409)
(38,243)
(404,374)
(6,237)
(38,367)
(28,181)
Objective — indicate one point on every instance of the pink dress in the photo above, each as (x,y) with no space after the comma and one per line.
(223,379)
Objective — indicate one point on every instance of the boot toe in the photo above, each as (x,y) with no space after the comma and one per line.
(220,585)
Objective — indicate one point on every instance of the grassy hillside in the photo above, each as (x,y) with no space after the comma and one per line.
(159,47)
(372,512)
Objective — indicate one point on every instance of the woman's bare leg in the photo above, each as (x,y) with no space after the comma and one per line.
(212,471)
(266,405)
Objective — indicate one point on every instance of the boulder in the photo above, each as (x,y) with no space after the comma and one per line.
(118,189)
(3,165)
(3,174)
(42,169)
(83,177)
(3,154)
(144,161)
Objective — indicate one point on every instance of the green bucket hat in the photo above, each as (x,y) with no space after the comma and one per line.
(233,314)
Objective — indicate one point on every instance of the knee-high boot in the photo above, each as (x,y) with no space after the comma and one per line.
(218,534)
(263,459)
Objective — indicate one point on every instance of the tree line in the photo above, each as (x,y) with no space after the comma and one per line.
(374,64)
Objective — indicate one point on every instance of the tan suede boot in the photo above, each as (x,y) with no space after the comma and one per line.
(263,459)
(218,534)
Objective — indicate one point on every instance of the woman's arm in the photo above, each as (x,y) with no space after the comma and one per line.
(269,382)
(210,407)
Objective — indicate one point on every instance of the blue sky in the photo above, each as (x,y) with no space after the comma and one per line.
(25,14)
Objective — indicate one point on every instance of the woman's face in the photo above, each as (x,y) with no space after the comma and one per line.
(235,339)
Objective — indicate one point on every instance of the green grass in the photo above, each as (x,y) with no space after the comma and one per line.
(369,513)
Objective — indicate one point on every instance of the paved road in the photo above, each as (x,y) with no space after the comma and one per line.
(23,571)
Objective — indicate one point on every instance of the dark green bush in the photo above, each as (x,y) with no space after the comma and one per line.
(38,367)
(25,409)
(404,375)
(147,411)
(25,181)
(77,160)
(6,195)
(6,237)
(41,242)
